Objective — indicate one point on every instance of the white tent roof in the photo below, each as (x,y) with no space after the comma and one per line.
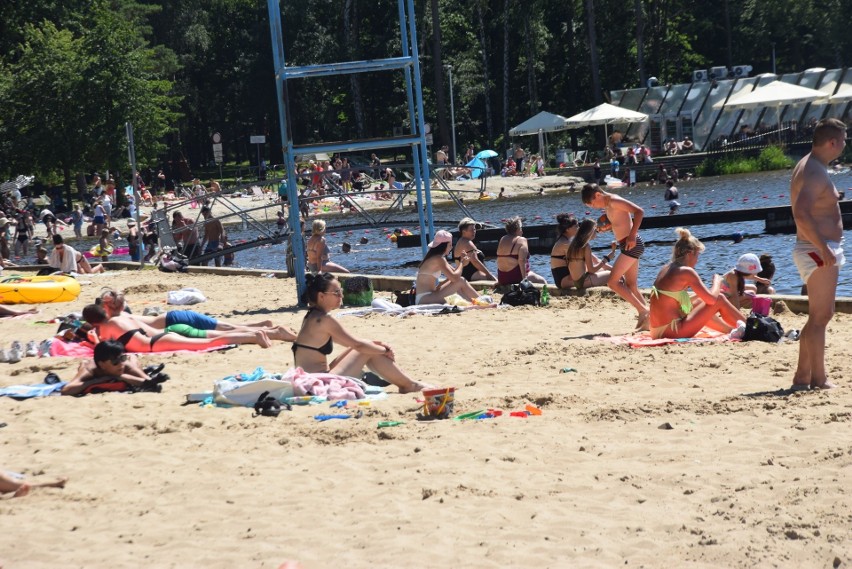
(542,122)
(776,93)
(845,94)
(605,114)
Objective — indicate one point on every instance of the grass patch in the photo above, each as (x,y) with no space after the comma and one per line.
(770,158)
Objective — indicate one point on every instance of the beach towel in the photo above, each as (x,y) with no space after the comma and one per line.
(383,306)
(332,387)
(644,339)
(61,348)
(30,391)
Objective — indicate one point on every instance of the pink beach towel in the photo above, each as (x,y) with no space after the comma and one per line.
(644,339)
(332,387)
(61,348)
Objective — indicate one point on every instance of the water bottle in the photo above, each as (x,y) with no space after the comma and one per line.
(545,296)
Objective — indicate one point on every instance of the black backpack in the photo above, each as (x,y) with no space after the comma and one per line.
(763,328)
(521,294)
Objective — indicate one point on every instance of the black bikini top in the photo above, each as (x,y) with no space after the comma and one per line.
(325,349)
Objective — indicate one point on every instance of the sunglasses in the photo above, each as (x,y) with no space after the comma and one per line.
(337,292)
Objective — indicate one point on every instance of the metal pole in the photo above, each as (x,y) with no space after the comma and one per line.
(773,57)
(452,112)
(131,156)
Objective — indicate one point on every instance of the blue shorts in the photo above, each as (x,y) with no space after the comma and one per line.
(190,318)
(211,247)
(98,220)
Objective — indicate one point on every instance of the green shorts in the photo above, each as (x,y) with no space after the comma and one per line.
(186,330)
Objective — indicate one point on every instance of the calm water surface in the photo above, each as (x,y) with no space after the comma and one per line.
(381,256)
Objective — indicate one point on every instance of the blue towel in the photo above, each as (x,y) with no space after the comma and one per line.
(30,391)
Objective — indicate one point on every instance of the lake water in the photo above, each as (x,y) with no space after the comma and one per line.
(381,256)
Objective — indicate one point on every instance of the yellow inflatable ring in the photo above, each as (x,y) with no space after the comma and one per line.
(36,290)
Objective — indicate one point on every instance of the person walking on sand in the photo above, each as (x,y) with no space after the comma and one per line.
(818,252)
(625,217)
(214,235)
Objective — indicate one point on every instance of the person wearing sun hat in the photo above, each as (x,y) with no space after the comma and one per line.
(430,288)
(474,268)
(734,286)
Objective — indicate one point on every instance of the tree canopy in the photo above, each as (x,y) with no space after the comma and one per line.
(72,72)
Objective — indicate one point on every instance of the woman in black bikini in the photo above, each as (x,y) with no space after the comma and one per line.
(585,269)
(473,267)
(315,341)
(567,227)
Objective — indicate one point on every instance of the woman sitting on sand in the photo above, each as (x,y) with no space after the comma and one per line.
(318,252)
(473,268)
(586,269)
(320,332)
(766,273)
(513,262)
(567,228)
(674,314)
(430,288)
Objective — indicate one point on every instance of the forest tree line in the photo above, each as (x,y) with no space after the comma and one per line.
(72,72)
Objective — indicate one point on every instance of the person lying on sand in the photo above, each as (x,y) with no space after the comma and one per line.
(6,311)
(674,314)
(138,337)
(320,331)
(111,364)
(21,487)
(188,322)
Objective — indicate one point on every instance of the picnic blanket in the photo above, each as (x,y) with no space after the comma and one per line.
(644,339)
(61,348)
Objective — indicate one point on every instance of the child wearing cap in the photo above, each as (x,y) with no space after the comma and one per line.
(473,268)
(734,284)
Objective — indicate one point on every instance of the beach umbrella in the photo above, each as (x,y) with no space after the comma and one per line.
(775,94)
(605,114)
(485,154)
(842,95)
(542,122)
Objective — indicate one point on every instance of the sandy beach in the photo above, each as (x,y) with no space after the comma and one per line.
(688,454)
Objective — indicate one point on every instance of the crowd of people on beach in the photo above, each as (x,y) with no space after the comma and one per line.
(680,304)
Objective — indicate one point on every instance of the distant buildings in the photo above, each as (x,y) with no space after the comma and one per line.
(678,111)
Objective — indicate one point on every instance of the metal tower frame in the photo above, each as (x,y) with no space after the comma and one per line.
(409,63)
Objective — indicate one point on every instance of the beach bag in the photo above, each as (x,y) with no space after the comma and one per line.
(763,328)
(521,294)
(357,291)
(406,298)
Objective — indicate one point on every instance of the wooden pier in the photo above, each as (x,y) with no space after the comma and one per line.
(777,219)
